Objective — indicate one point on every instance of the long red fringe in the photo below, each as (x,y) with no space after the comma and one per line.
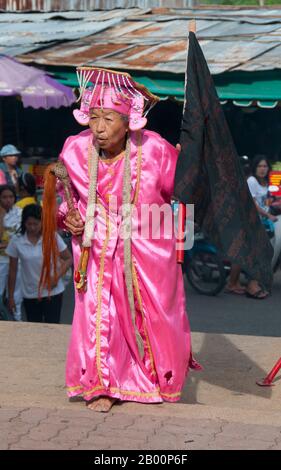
(49,229)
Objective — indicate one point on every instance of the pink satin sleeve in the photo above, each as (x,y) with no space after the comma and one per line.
(63,207)
(2,178)
(168,169)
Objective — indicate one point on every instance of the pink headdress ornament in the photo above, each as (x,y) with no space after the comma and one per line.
(113,90)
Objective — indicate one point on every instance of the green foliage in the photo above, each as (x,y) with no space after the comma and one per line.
(238,2)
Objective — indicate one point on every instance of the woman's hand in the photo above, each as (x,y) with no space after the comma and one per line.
(64,264)
(74,223)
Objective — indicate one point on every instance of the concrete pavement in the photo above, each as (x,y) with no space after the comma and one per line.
(221,407)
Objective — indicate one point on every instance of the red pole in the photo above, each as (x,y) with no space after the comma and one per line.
(181,232)
(267,381)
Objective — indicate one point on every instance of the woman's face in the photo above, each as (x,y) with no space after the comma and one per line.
(11,160)
(108,127)
(7,199)
(262,169)
(33,226)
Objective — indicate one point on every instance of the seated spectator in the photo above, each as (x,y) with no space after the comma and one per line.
(27,190)
(27,247)
(258,186)
(10,220)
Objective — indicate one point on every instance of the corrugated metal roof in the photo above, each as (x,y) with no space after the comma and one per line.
(61,5)
(71,15)
(273,61)
(30,33)
(133,40)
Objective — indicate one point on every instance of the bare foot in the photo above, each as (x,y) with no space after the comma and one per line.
(102,404)
(235,289)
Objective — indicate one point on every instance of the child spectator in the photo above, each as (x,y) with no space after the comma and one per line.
(27,247)
(10,220)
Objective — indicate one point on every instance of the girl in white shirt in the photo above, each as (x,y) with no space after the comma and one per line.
(27,247)
(258,186)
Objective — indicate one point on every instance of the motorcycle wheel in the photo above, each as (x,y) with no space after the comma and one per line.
(205,273)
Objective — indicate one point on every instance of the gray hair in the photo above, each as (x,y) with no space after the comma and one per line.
(125,118)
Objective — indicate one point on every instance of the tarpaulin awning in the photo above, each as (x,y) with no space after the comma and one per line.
(34,86)
(262,89)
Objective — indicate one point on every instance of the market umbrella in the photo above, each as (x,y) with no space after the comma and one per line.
(34,86)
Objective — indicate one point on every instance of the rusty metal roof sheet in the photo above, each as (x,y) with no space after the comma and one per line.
(24,33)
(71,15)
(231,39)
(63,5)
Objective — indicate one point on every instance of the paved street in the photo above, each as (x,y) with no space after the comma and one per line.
(237,341)
(236,314)
(221,407)
(41,428)
(225,313)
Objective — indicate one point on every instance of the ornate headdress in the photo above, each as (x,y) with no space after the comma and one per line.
(113,90)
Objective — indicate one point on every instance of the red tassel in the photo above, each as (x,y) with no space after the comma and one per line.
(181,232)
(77,276)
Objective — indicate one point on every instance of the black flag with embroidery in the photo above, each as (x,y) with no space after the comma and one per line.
(210,176)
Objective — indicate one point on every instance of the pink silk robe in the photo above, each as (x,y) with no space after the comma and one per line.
(103,358)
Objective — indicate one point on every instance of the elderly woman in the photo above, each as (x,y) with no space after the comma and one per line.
(130,335)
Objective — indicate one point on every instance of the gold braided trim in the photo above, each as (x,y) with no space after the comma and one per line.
(139,163)
(124,392)
(171,395)
(99,295)
(71,389)
(139,299)
(103,209)
(108,161)
(157,392)
(95,389)
(137,394)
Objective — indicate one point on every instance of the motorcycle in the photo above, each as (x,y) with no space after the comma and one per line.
(204,268)
(201,262)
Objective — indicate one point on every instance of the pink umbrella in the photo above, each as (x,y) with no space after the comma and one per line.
(35,87)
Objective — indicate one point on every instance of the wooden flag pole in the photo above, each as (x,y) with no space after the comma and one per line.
(182,207)
(192,26)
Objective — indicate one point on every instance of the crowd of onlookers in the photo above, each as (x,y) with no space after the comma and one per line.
(21,247)
(21,242)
